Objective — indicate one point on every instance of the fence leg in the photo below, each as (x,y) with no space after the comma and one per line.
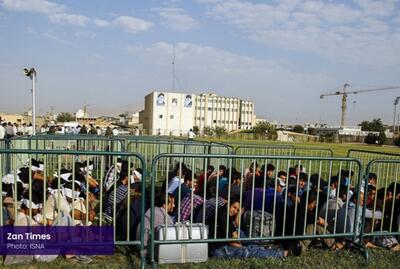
(361,248)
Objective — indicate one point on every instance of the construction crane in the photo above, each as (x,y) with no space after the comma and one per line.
(344,94)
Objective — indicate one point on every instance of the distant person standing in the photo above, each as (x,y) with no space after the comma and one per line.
(98,130)
(2,131)
(29,129)
(92,130)
(109,132)
(9,130)
(83,130)
(191,134)
(115,131)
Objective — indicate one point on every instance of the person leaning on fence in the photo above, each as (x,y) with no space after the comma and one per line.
(23,218)
(121,193)
(61,204)
(135,211)
(347,220)
(230,229)
(111,175)
(307,222)
(164,206)
(382,214)
(330,208)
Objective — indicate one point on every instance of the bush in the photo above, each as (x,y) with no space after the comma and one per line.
(371,139)
(298,129)
(397,141)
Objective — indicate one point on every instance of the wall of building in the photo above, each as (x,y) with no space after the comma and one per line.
(212,110)
(168,113)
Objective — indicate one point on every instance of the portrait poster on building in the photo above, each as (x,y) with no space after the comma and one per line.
(188,101)
(160,99)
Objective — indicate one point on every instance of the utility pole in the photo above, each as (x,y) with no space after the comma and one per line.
(31,73)
(173,70)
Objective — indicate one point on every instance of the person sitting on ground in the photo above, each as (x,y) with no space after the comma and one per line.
(306,222)
(31,204)
(204,177)
(330,208)
(164,206)
(231,229)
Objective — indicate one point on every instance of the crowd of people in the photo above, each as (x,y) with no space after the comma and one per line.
(230,204)
(9,130)
(62,199)
(288,203)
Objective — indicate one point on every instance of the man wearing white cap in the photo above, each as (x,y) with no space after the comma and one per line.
(34,204)
(62,201)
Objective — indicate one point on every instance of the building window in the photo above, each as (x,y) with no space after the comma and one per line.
(171,117)
(160,116)
(209,109)
(215,121)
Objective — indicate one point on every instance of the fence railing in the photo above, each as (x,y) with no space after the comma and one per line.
(381,215)
(258,193)
(365,156)
(67,142)
(48,173)
(351,208)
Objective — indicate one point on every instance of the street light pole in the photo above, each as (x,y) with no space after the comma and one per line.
(31,73)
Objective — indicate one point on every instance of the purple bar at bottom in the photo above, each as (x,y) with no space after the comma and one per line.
(44,240)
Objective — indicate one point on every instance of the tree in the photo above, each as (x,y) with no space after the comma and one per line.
(382,138)
(375,125)
(220,131)
(64,117)
(263,128)
(207,131)
(371,139)
(298,129)
(196,130)
(311,131)
(397,141)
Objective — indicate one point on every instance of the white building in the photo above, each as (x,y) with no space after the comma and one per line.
(167,113)
(176,113)
(337,130)
(230,113)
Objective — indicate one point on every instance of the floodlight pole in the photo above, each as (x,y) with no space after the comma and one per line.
(31,73)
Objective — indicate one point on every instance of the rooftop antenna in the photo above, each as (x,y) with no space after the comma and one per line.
(173,69)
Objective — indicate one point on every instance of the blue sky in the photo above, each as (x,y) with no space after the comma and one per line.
(281,54)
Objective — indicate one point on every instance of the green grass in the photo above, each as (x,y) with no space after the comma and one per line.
(339,149)
(315,258)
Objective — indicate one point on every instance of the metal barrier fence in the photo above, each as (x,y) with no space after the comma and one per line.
(285,202)
(286,151)
(49,175)
(150,149)
(65,142)
(366,156)
(381,212)
(3,143)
